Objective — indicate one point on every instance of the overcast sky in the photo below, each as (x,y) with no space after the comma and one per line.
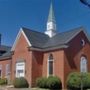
(33,14)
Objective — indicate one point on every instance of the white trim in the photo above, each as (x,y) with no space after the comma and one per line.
(73,36)
(81,30)
(48,66)
(20,66)
(1,70)
(83,42)
(26,38)
(83,65)
(7,70)
(17,38)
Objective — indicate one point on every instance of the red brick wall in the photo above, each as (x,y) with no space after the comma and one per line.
(40,61)
(37,61)
(74,53)
(65,61)
(58,56)
(21,52)
(4,62)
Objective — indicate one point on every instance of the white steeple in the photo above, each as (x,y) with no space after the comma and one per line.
(51,23)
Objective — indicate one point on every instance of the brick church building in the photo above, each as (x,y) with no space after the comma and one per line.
(35,54)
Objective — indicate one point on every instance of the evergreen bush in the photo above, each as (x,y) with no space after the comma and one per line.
(54,82)
(3,81)
(75,80)
(41,82)
(20,83)
(86,80)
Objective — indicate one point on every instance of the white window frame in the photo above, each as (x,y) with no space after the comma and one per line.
(1,70)
(83,65)
(83,42)
(50,60)
(20,66)
(7,72)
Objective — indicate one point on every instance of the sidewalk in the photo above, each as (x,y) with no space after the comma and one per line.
(3,88)
(11,88)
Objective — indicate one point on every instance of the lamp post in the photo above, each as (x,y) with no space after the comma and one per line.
(82,81)
(83,70)
(82,77)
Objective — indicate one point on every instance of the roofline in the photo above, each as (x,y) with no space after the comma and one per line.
(48,49)
(73,36)
(81,29)
(86,34)
(26,38)
(17,38)
(5,46)
(2,58)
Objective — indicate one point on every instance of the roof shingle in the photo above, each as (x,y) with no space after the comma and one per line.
(6,52)
(37,39)
(42,41)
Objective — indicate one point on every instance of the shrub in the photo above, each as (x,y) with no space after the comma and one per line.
(3,81)
(54,82)
(86,80)
(74,81)
(51,82)
(41,82)
(20,83)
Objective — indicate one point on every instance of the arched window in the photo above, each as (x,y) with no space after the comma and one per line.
(83,64)
(50,65)
(0,71)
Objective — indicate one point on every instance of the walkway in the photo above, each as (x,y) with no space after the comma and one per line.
(11,88)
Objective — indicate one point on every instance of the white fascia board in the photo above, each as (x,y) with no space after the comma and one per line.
(81,30)
(73,36)
(17,38)
(26,38)
(87,35)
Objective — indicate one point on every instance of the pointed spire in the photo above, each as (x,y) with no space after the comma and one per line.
(51,23)
(51,17)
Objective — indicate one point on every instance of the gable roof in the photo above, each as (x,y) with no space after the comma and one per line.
(63,38)
(6,52)
(37,39)
(4,48)
(42,41)
(17,38)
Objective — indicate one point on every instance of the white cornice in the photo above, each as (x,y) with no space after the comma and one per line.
(17,38)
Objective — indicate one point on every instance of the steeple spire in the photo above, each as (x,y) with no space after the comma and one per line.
(51,23)
(51,17)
